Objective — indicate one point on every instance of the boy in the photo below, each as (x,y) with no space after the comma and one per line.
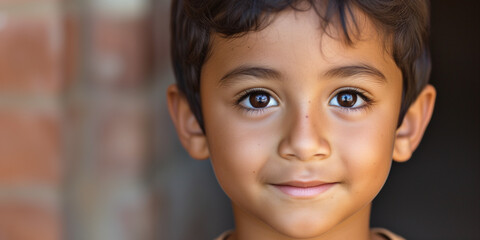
(301,106)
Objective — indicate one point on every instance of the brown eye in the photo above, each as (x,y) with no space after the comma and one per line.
(346,99)
(258,100)
(351,99)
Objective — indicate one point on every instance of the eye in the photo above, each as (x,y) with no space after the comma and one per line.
(257,99)
(349,99)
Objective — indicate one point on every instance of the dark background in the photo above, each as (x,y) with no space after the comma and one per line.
(436,195)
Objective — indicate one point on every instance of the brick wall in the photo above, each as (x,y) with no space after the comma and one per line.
(31,167)
(79,82)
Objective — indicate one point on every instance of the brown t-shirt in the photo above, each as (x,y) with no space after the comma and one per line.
(377,231)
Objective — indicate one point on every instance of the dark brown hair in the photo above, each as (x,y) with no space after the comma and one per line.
(404,23)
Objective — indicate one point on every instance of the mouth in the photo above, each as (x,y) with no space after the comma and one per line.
(299,189)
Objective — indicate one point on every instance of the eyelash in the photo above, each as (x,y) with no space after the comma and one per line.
(360,93)
(246,93)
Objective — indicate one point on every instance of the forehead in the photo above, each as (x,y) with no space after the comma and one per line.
(297,38)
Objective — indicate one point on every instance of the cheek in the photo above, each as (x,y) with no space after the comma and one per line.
(238,150)
(365,150)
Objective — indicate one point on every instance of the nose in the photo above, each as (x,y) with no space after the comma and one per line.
(304,138)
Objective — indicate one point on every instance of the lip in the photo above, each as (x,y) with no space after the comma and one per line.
(300,189)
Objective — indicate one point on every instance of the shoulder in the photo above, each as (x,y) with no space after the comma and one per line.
(224,235)
(386,234)
(381,232)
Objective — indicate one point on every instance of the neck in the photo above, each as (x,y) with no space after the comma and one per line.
(249,227)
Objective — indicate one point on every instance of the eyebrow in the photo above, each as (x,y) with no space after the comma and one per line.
(267,73)
(354,70)
(257,72)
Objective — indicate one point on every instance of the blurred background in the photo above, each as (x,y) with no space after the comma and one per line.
(87,150)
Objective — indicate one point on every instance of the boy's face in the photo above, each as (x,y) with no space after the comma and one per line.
(300,127)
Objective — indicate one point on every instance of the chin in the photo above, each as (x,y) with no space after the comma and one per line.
(302,232)
(304,228)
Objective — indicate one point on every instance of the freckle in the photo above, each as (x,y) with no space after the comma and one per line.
(309,101)
(253,172)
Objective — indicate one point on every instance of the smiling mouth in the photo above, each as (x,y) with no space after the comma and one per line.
(299,189)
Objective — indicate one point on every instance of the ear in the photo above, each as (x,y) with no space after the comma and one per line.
(191,135)
(415,122)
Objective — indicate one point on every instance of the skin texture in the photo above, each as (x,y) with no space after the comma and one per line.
(303,134)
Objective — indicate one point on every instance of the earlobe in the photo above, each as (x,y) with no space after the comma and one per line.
(191,135)
(410,133)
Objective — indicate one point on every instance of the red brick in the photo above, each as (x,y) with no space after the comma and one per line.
(27,1)
(23,221)
(30,52)
(29,147)
(123,135)
(122,50)
(72,46)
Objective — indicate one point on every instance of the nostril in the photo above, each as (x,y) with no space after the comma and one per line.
(304,139)
(320,156)
(291,156)
(304,150)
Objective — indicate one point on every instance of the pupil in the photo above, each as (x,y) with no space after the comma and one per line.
(259,100)
(347,99)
